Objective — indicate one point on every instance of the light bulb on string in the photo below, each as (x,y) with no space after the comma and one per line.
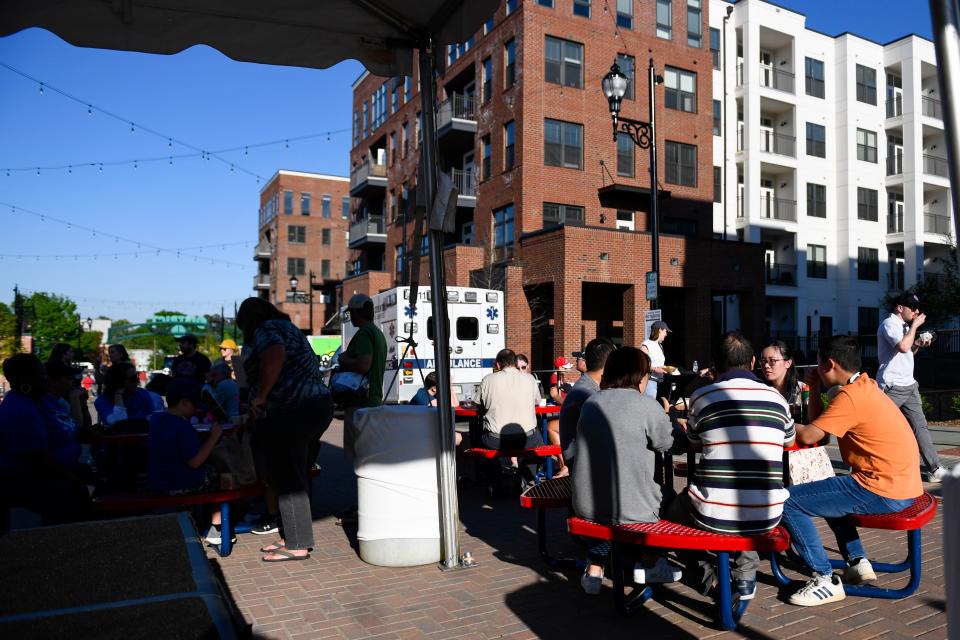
(169,142)
(38,170)
(131,127)
(246,151)
(70,169)
(286,144)
(89,110)
(41,88)
(134,164)
(231,168)
(171,161)
(101,167)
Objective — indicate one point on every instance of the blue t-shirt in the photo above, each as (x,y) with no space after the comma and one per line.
(139,406)
(227,394)
(27,426)
(171,443)
(421,398)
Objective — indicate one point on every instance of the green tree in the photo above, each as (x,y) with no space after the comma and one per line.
(939,295)
(52,319)
(8,324)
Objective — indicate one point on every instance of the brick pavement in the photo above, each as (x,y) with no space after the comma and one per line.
(511,594)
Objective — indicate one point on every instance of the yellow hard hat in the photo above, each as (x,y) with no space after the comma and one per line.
(228,344)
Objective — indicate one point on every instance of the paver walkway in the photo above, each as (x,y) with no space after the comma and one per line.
(511,594)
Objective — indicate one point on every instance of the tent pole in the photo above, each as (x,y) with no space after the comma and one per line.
(446,462)
(945,16)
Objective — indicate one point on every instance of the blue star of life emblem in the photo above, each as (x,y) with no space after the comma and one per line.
(492,313)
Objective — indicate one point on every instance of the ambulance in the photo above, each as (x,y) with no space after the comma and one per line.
(476,335)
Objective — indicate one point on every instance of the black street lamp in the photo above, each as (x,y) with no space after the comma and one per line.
(643,134)
(310,300)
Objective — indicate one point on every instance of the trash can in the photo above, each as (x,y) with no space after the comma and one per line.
(396,466)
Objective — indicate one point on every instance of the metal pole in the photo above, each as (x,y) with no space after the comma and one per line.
(223,323)
(654,205)
(310,302)
(723,112)
(446,462)
(945,15)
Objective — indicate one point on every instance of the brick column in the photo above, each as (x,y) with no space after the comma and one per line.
(697,302)
(567,294)
(635,306)
(517,311)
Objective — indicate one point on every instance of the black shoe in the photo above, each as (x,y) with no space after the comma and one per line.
(745,589)
(266,527)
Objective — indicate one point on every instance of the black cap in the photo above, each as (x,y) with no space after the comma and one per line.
(187,337)
(579,355)
(908,300)
(56,369)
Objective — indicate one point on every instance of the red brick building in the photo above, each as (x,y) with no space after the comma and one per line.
(304,219)
(524,131)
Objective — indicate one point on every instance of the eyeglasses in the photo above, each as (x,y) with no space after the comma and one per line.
(771,361)
(522,367)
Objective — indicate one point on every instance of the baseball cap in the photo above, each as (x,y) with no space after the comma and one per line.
(56,369)
(358,300)
(660,324)
(908,300)
(187,337)
(228,344)
(560,362)
(180,388)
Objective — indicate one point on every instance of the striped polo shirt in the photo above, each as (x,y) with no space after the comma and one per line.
(743,425)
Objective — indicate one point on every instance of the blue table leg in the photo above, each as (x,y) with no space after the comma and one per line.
(546,440)
(226,530)
(729,614)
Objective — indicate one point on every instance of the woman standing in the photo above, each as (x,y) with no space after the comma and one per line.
(653,347)
(777,367)
(291,408)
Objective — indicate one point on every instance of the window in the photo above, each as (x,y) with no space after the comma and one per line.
(488,26)
(487,79)
(715,46)
(867,207)
(324,268)
(694,27)
(681,162)
(399,261)
(511,6)
(485,162)
(625,153)
(866,146)
(508,148)
(866,85)
(288,203)
(816,261)
(868,264)
(816,140)
(814,77)
(356,128)
(325,237)
(716,117)
(625,14)
(665,19)
(296,266)
(424,245)
(345,205)
(503,229)
(816,200)
(679,226)
(564,62)
(406,138)
(296,234)
(468,328)
(366,120)
(407,85)
(717,184)
(563,214)
(304,204)
(563,144)
(510,61)
(393,147)
(628,66)
(868,319)
(581,8)
(545,3)
(681,90)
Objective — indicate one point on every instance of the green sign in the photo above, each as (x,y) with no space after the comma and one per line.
(325,347)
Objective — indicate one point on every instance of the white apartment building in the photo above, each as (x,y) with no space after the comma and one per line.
(835,161)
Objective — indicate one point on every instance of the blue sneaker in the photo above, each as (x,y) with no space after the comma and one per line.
(745,589)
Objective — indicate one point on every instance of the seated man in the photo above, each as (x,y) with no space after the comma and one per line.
(594,358)
(741,426)
(224,388)
(877,443)
(508,399)
(426,396)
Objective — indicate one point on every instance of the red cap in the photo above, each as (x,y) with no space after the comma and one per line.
(560,362)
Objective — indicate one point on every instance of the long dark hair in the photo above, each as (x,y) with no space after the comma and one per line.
(625,369)
(253,312)
(116,377)
(59,350)
(790,381)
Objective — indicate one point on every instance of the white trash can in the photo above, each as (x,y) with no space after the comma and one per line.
(396,465)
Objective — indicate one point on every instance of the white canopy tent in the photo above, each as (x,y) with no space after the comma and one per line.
(381,34)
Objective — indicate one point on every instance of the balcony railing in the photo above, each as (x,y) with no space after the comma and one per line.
(261,281)
(778,208)
(465,182)
(934,166)
(816,269)
(782,274)
(457,106)
(933,223)
(778,143)
(776,79)
(895,164)
(895,222)
(263,251)
(739,74)
(895,107)
(366,171)
(931,107)
(372,225)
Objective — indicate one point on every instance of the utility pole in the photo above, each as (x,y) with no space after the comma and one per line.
(18,315)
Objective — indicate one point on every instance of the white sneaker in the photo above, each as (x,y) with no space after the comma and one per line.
(820,590)
(215,536)
(591,584)
(937,475)
(859,572)
(662,571)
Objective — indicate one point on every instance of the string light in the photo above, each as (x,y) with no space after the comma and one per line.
(41,88)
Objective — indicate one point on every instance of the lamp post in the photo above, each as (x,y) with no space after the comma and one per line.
(310,300)
(643,135)
(80,324)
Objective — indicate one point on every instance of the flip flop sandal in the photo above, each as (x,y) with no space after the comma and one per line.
(270,548)
(285,556)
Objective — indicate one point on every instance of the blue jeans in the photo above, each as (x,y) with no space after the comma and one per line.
(833,499)
(651,389)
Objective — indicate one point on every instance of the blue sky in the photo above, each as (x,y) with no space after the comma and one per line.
(206,100)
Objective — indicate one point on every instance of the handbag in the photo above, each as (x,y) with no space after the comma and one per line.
(350,389)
